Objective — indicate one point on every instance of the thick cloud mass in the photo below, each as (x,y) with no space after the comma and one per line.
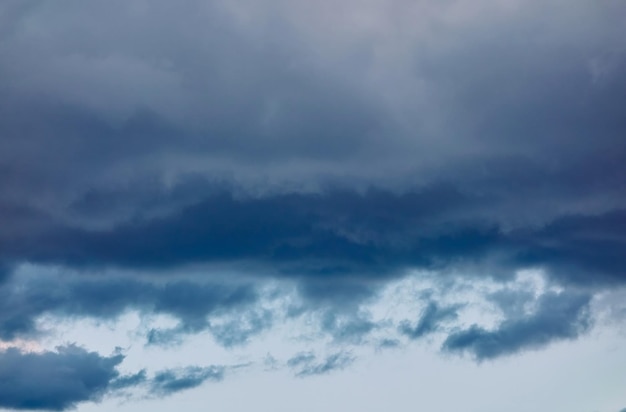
(54,380)
(59,380)
(237,90)
(236,133)
(174,159)
(340,233)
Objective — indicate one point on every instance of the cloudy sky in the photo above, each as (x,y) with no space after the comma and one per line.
(348,205)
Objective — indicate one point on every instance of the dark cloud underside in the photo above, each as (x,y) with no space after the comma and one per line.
(174,159)
(331,234)
(54,380)
(107,298)
(557,317)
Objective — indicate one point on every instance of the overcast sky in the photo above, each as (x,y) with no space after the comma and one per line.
(349,205)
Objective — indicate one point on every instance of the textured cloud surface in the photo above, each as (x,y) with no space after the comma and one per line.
(238,173)
(54,380)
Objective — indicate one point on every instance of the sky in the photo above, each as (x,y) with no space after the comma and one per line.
(294,205)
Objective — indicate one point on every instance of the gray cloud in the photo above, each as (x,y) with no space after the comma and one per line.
(273,94)
(429,321)
(54,380)
(306,364)
(106,298)
(347,327)
(582,249)
(99,129)
(557,317)
(170,381)
(250,140)
(301,358)
(242,328)
(129,381)
(329,235)
(388,344)
(4,273)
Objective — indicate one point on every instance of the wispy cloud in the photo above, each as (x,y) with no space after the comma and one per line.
(307,363)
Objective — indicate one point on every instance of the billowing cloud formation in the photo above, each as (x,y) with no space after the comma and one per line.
(176,159)
(557,316)
(107,298)
(342,232)
(257,146)
(59,380)
(54,380)
(503,96)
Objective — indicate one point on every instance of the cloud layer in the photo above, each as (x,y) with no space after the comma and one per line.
(237,166)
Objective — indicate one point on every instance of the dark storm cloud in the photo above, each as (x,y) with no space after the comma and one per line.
(54,380)
(334,291)
(320,234)
(170,381)
(306,363)
(557,317)
(328,237)
(70,375)
(106,298)
(430,138)
(97,126)
(5,272)
(429,321)
(199,84)
(581,249)
(340,246)
(110,98)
